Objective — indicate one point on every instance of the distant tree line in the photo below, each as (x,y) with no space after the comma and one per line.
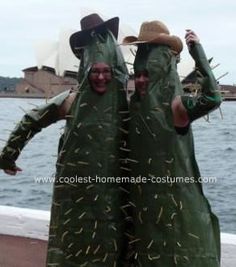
(8,84)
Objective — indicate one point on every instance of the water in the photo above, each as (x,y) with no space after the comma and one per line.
(215,146)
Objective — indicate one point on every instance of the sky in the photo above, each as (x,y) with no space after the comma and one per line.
(24,23)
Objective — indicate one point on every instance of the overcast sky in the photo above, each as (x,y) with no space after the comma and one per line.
(26,22)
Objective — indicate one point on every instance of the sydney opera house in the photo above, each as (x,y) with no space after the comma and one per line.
(56,69)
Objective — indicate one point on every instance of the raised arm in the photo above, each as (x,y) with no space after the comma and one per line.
(187,108)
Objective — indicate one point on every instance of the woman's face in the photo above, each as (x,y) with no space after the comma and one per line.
(141,81)
(100,75)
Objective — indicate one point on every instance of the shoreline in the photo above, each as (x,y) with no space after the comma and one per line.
(13,95)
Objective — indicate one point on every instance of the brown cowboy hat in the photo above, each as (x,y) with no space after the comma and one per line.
(90,23)
(155,32)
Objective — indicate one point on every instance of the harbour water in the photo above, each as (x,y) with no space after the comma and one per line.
(215,147)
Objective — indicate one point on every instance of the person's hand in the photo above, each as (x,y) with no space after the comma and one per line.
(13,171)
(191,38)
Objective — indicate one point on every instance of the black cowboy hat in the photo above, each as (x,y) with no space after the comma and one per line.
(90,23)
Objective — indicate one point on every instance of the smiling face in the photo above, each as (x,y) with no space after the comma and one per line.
(141,81)
(100,75)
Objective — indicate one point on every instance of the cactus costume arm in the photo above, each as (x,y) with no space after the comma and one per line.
(31,124)
(209,98)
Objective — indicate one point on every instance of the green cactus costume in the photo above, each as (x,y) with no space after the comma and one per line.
(173,222)
(87,226)
(87,223)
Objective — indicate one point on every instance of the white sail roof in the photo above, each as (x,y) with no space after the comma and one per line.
(57,55)
(67,61)
(46,53)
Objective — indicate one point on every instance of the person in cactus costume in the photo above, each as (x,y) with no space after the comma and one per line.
(173,221)
(87,222)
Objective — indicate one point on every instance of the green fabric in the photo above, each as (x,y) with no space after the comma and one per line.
(32,123)
(209,98)
(87,222)
(173,222)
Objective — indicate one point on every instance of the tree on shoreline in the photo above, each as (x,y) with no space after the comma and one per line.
(8,83)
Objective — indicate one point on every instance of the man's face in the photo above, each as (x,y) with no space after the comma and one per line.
(100,75)
(141,81)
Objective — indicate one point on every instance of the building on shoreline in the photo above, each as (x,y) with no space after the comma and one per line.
(45,82)
(228,92)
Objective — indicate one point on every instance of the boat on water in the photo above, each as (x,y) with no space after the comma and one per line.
(24,235)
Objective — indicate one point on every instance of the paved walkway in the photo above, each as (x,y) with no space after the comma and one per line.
(228,255)
(27,252)
(22,252)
